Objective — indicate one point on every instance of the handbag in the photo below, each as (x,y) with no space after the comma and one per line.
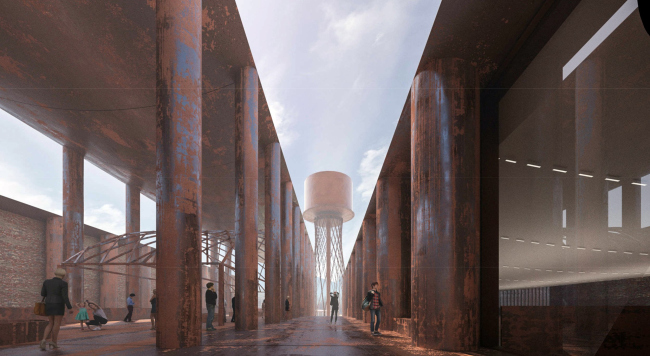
(365,305)
(39,308)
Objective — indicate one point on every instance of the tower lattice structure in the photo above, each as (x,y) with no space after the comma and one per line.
(329,256)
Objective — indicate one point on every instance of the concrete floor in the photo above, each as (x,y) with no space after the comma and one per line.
(303,336)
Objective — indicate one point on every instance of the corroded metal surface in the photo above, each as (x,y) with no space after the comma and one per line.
(73,216)
(53,245)
(444,203)
(360,287)
(132,213)
(301,271)
(246,203)
(287,240)
(273,233)
(369,256)
(393,248)
(178,152)
(297,293)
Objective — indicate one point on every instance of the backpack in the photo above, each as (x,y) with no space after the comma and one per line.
(365,305)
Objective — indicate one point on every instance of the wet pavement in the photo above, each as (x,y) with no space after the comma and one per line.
(302,336)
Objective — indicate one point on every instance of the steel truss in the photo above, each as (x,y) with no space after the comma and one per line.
(329,257)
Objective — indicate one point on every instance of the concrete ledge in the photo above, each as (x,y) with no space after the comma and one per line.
(21,331)
(403,326)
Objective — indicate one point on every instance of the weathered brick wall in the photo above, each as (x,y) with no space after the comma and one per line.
(22,260)
(91,277)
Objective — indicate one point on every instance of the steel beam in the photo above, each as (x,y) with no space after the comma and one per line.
(53,245)
(272,234)
(361,288)
(246,178)
(301,270)
(73,216)
(287,241)
(132,213)
(221,308)
(394,248)
(369,256)
(179,162)
(445,206)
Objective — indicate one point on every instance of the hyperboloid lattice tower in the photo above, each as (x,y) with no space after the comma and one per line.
(328,204)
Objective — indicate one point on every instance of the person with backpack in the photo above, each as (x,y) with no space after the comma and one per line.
(373,298)
(334,302)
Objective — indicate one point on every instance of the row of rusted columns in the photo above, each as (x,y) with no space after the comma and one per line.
(421,239)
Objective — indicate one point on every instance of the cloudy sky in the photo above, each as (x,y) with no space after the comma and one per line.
(336,74)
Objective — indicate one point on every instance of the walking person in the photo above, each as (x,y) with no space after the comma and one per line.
(154,312)
(233,309)
(334,302)
(374,297)
(99,317)
(82,315)
(287,306)
(129,307)
(55,293)
(263,308)
(210,303)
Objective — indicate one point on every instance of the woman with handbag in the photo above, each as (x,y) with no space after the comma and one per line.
(55,294)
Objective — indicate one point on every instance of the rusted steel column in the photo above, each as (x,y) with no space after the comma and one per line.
(178,187)
(445,206)
(301,268)
(295,258)
(53,245)
(108,289)
(246,171)
(360,285)
(273,234)
(353,284)
(221,309)
(393,247)
(369,256)
(132,213)
(287,242)
(73,217)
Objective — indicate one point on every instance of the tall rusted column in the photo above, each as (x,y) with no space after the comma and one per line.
(246,171)
(108,288)
(53,245)
(295,301)
(393,247)
(287,242)
(178,187)
(353,283)
(360,285)
(132,213)
(221,310)
(445,206)
(73,217)
(369,256)
(272,233)
(301,269)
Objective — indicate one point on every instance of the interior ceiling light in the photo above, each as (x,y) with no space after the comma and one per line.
(533,165)
(585,175)
(559,170)
(511,161)
(613,180)
(637,183)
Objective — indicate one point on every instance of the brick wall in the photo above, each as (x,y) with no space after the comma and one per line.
(91,277)
(22,260)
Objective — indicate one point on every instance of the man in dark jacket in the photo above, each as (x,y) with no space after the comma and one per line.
(334,302)
(374,297)
(210,303)
(287,305)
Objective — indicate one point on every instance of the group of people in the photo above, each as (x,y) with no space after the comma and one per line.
(372,302)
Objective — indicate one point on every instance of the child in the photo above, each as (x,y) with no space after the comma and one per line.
(82,316)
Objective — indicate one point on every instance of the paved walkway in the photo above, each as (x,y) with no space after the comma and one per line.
(303,336)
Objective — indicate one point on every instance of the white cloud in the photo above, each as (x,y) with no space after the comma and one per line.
(369,171)
(13,185)
(107,217)
(282,121)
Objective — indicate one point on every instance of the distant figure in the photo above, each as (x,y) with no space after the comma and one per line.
(55,293)
(129,307)
(233,310)
(334,302)
(99,317)
(263,308)
(154,311)
(287,305)
(374,297)
(82,315)
(210,303)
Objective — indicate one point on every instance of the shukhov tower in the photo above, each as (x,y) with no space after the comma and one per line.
(328,204)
